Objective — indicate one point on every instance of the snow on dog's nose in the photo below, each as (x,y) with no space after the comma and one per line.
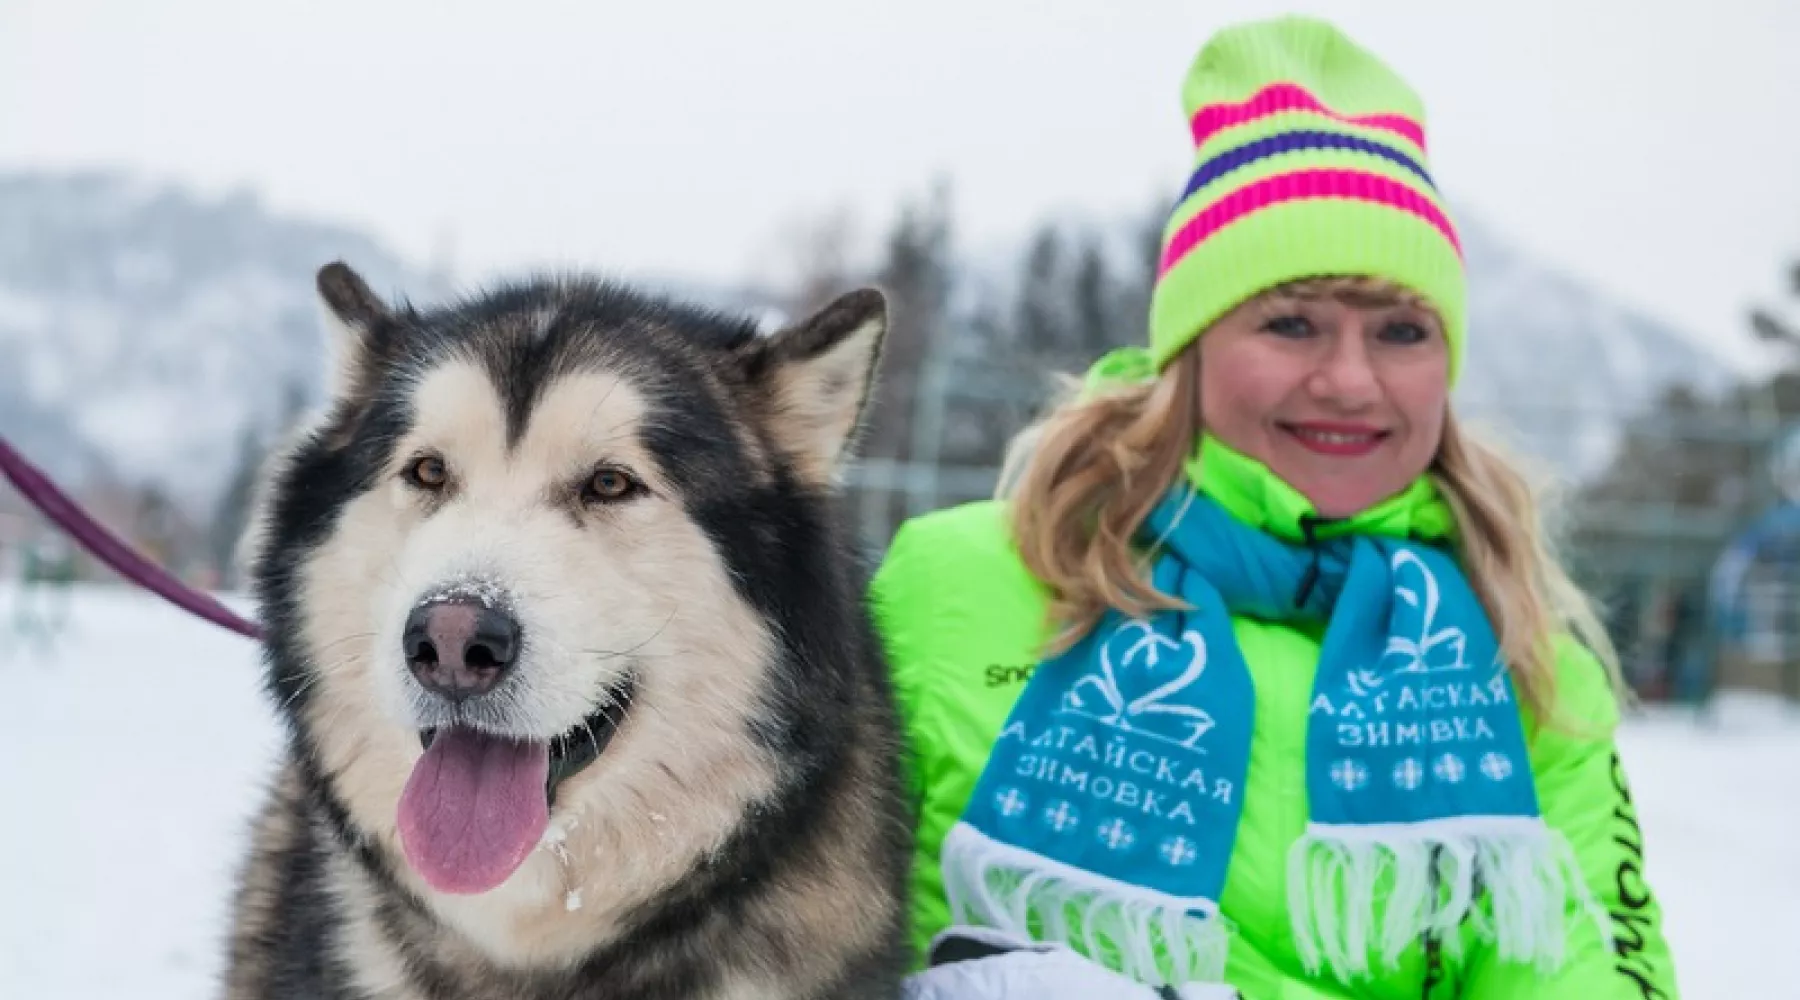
(459,648)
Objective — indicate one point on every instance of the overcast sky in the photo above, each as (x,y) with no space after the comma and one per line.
(1650,147)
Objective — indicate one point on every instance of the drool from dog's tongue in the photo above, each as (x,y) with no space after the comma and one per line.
(473,809)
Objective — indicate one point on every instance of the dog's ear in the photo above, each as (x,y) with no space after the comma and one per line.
(361,323)
(819,376)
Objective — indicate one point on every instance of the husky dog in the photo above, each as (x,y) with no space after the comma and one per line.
(570,644)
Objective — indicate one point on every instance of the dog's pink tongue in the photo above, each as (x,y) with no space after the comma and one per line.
(474,807)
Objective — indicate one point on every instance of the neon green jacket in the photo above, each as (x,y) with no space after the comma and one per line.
(964,622)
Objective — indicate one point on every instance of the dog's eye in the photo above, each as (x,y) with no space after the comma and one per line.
(428,472)
(608,485)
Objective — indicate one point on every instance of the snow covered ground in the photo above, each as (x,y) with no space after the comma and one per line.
(133,751)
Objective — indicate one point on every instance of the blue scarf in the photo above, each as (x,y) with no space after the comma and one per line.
(1105,815)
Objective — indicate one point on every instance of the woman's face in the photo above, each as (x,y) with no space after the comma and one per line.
(1342,394)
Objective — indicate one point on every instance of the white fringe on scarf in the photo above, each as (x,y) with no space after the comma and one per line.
(1527,874)
(1153,937)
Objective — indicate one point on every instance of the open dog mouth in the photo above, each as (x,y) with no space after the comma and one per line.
(477,804)
(581,744)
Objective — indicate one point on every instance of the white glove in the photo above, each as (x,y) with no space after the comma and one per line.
(1030,970)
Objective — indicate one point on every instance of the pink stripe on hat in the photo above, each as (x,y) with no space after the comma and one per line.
(1302,184)
(1279,97)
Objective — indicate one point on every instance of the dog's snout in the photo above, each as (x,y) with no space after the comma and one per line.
(460,649)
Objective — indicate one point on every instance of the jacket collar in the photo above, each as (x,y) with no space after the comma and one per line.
(1254,495)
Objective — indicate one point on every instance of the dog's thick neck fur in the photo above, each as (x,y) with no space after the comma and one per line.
(744,834)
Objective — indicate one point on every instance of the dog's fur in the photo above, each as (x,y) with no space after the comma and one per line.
(744,834)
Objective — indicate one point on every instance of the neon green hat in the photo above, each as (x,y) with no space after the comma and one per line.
(1309,162)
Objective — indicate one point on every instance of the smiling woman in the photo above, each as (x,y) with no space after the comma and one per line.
(1316,711)
(1338,386)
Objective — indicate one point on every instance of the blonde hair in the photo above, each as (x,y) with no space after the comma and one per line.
(1080,482)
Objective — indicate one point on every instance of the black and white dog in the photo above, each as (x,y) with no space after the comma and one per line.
(570,644)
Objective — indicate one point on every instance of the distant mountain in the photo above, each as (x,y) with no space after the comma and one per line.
(144,331)
(1557,368)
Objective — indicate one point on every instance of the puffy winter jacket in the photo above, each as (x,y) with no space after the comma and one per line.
(964,623)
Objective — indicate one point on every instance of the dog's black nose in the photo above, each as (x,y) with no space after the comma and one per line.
(459,649)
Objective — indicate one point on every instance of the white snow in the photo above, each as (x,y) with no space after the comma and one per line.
(131,758)
(133,753)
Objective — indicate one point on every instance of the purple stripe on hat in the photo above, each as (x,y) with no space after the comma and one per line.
(1355,185)
(1290,142)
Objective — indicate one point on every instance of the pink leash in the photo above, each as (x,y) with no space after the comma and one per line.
(109,549)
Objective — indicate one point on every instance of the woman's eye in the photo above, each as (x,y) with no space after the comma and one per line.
(427,472)
(608,485)
(1289,326)
(1401,332)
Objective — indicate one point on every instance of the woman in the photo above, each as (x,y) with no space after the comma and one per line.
(1261,671)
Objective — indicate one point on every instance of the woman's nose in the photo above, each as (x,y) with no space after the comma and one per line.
(1346,374)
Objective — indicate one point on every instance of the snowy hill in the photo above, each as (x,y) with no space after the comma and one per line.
(1556,367)
(147,330)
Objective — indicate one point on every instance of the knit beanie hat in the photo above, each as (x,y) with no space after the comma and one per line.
(1309,163)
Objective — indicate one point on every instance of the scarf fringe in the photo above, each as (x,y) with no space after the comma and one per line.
(1511,879)
(1152,937)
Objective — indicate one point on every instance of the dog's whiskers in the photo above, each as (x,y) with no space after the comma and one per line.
(306,684)
(610,654)
(342,640)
